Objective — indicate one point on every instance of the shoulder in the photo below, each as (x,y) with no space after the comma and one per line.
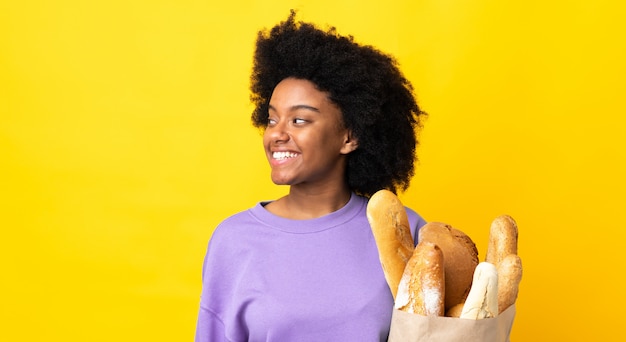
(242,220)
(231,240)
(415,219)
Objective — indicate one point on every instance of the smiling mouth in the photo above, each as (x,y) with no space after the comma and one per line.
(283,155)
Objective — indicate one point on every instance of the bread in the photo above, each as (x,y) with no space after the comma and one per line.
(482,300)
(455,311)
(502,239)
(390,225)
(460,259)
(509,277)
(502,252)
(422,287)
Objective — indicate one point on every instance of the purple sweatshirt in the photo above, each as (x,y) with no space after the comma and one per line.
(268,278)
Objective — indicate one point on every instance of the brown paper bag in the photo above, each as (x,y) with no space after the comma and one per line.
(408,327)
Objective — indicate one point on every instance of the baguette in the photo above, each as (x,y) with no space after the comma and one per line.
(422,287)
(502,239)
(460,259)
(482,300)
(455,311)
(390,225)
(509,277)
(502,252)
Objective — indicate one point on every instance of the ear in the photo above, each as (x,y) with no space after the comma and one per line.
(350,143)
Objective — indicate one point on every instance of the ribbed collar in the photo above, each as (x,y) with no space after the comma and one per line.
(355,205)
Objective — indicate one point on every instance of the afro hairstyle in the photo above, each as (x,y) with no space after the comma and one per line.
(376,100)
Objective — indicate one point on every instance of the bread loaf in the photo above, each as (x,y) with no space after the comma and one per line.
(482,300)
(455,311)
(390,225)
(502,252)
(502,239)
(422,288)
(509,277)
(460,259)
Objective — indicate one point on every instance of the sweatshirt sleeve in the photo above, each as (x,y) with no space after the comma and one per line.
(209,327)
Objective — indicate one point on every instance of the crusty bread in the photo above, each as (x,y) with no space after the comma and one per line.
(390,225)
(455,311)
(482,300)
(509,277)
(460,259)
(422,287)
(502,252)
(502,239)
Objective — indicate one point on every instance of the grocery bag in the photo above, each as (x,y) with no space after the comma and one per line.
(409,327)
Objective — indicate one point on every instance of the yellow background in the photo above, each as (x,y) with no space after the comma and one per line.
(125,138)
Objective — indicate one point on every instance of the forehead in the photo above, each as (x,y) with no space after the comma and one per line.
(299,92)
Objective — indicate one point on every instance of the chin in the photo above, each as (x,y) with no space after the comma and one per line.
(281,181)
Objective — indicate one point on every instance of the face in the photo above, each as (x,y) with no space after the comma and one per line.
(305,139)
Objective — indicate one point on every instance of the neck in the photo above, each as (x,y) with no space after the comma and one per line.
(305,203)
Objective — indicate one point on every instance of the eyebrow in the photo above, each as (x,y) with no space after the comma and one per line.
(297,107)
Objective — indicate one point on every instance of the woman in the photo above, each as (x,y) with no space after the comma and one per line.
(339,123)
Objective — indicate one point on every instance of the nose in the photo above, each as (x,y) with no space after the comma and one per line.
(277,132)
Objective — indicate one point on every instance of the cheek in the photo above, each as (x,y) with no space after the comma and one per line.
(266,138)
(332,138)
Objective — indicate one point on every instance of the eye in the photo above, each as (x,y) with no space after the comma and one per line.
(299,121)
(270,122)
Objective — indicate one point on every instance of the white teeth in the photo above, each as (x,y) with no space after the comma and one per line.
(283,155)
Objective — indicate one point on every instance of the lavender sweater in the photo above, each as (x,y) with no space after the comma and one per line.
(268,278)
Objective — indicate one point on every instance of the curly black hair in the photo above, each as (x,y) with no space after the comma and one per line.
(376,100)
